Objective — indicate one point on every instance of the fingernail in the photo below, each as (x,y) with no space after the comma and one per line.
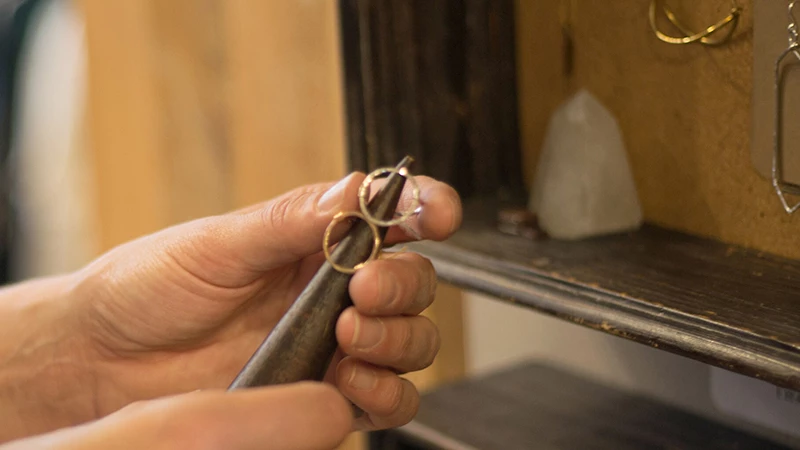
(362,378)
(367,333)
(332,198)
(455,221)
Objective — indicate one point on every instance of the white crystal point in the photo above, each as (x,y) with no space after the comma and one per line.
(583,185)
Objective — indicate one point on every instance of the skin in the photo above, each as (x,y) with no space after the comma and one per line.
(137,348)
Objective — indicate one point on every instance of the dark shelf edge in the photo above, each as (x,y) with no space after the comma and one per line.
(617,316)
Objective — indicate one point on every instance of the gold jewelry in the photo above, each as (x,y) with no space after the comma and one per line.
(363,196)
(704,37)
(372,222)
(376,243)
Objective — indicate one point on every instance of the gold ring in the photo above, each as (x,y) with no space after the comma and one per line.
(363,193)
(326,239)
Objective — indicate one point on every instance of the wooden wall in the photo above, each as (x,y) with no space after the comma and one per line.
(197,107)
(202,106)
(684,111)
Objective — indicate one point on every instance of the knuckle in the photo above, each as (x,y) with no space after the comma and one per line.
(410,410)
(427,282)
(433,347)
(405,339)
(394,397)
(391,288)
(277,215)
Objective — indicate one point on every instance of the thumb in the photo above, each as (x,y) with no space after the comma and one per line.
(297,417)
(261,237)
(290,227)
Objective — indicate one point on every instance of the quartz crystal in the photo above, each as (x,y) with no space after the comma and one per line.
(583,185)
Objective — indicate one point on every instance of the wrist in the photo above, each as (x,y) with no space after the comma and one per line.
(45,372)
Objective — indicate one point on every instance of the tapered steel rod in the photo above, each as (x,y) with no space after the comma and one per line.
(302,344)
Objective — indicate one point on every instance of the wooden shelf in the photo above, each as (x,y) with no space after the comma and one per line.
(720,304)
(536,406)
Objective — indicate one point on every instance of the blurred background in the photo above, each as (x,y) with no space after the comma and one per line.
(122,117)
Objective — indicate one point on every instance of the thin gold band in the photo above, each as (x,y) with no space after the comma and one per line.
(326,240)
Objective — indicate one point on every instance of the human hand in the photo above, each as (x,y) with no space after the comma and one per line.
(183,309)
(279,417)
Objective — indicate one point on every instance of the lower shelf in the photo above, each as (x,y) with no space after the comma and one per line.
(538,407)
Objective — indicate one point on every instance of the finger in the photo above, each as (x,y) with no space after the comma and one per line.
(404,284)
(405,344)
(388,400)
(277,417)
(439,217)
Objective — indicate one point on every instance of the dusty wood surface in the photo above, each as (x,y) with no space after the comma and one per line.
(720,304)
(535,406)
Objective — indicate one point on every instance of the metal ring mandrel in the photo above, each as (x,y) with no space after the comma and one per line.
(300,347)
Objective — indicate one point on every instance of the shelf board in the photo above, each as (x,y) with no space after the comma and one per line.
(719,304)
(537,406)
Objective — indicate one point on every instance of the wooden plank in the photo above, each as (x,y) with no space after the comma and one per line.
(443,109)
(490,77)
(436,80)
(537,406)
(720,304)
(285,96)
(123,117)
(190,75)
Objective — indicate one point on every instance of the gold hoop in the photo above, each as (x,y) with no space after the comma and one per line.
(363,193)
(326,239)
(689,37)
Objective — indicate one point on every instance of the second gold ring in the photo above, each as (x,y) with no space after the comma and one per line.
(376,245)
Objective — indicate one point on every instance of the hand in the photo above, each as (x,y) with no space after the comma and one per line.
(183,309)
(279,417)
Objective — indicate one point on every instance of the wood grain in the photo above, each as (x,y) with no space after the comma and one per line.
(722,305)
(190,73)
(123,120)
(538,406)
(437,81)
(284,96)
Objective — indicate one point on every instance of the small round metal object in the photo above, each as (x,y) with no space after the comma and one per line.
(363,194)
(376,245)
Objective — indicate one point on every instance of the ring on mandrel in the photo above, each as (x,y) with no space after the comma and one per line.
(363,197)
(376,243)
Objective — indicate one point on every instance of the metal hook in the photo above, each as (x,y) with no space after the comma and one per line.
(703,37)
(782,187)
